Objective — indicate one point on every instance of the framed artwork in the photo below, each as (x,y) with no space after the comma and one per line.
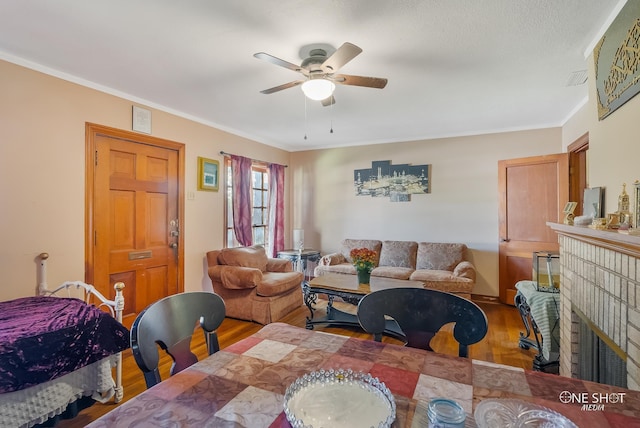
(208,173)
(141,120)
(396,182)
(636,209)
(616,61)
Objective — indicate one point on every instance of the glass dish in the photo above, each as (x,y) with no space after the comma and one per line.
(339,398)
(511,413)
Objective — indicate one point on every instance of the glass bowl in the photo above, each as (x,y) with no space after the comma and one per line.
(512,413)
(339,398)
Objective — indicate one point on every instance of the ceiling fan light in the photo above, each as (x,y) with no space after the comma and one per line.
(318,89)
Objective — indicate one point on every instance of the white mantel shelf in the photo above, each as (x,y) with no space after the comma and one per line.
(610,239)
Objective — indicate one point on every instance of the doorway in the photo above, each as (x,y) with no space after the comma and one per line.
(134,216)
(532,192)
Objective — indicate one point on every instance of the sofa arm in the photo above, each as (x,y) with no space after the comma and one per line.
(279,265)
(235,277)
(465,269)
(332,259)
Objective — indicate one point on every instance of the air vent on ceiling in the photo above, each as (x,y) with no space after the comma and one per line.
(577,78)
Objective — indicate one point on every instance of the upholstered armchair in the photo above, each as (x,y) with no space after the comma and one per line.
(253,286)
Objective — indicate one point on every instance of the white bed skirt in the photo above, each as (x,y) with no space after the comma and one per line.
(38,403)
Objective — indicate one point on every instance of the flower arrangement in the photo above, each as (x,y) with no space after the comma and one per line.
(363,259)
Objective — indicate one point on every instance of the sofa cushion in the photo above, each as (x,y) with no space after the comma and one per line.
(392,272)
(276,283)
(350,244)
(439,256)
(398,254)
(442,280)
(344,268)
(252,257)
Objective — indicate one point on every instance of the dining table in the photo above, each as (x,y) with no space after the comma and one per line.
(244,384)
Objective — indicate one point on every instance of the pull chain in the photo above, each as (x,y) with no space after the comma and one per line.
(331,115)
(305,117)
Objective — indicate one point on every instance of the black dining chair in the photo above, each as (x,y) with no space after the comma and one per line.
(170,323)
(420,314)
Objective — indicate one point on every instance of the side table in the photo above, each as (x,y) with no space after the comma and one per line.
(540,313)
(308,257)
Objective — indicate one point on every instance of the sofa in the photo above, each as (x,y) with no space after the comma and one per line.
(253,286)
(440,266)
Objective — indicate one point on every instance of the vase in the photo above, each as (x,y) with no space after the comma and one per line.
(364,276)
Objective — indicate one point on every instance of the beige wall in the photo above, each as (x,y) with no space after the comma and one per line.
(42,122)
(462,205)
(42,150)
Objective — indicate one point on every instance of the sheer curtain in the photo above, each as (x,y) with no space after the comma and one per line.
(276,209)
(241,200)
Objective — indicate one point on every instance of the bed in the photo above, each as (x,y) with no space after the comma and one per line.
(58,349)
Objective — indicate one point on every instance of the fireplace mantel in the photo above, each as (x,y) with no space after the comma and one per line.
(610,239)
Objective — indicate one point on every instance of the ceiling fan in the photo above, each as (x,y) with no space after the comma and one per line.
(320,73)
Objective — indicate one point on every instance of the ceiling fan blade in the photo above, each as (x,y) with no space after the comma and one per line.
(343,55)
(369,82)
(328,101)
(282,63)
(281,87)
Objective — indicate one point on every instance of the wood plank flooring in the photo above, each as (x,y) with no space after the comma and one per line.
(500,345)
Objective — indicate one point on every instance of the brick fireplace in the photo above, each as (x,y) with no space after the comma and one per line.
(600,282)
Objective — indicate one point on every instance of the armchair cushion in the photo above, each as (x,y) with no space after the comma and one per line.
(277,283)
(278,265)
(251,257)
(235,277)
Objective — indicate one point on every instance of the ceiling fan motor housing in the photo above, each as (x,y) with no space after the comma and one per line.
(316,58)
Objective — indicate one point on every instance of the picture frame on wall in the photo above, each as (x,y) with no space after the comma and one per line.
(208,174)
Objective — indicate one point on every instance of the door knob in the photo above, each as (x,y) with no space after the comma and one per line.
(173,245)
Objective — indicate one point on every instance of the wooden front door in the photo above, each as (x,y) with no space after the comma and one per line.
(134,211)
(533,191)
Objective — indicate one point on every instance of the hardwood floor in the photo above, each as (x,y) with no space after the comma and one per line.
(500,345)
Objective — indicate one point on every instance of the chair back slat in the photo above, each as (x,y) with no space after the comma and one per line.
(421,313)
(170,323)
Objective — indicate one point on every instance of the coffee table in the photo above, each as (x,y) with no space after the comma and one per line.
(347,288)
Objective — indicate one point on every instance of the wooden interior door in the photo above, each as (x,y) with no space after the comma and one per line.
(533,191)
(135,217)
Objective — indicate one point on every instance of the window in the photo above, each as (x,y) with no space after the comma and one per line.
(259,205)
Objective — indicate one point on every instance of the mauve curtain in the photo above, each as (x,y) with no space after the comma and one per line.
(241,203)
(276,209)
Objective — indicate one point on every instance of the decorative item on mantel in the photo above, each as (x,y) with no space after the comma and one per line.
(364,260)
(623,209)
(568,210)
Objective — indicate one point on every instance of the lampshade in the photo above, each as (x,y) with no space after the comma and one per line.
(318,89)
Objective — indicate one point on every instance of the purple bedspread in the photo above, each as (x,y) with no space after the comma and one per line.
(42,338)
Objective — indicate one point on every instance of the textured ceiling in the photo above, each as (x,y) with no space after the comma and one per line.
(454,67)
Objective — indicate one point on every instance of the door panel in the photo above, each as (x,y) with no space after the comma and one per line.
(135,197)
(533,191)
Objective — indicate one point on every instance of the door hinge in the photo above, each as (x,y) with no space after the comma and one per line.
(95,238)
(96,158)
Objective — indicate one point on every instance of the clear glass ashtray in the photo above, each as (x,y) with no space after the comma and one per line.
(512,413)
(339,398)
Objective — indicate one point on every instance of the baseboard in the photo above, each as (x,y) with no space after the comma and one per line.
(484,299)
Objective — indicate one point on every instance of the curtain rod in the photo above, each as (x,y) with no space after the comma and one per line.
(254,160)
